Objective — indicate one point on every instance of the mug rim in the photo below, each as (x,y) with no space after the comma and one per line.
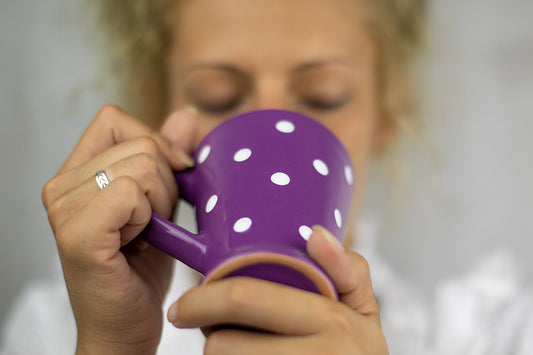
(316,276)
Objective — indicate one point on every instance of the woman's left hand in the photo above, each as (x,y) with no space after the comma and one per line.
(295,321)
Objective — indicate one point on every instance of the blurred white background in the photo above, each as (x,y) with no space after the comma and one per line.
(477,104)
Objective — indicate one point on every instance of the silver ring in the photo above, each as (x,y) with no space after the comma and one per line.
(101,179)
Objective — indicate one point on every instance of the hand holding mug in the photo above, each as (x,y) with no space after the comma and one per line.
(292,321)
(284,173)
(116,290)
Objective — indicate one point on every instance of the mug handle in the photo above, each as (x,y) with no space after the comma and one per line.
(174,240)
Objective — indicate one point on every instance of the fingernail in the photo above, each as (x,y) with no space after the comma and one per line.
(191,109)
(173,313)
(329,237)
(182,156)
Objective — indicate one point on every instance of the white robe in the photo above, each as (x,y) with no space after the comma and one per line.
(485,311)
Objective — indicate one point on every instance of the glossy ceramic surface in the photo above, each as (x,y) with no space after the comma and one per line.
(261,181)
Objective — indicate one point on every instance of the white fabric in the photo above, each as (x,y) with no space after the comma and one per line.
(42,322)
(485,311)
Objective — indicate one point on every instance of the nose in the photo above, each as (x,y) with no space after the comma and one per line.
(271,94)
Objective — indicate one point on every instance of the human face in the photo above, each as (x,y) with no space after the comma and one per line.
(310,56)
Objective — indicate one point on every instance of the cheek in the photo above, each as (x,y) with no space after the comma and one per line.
(356,129)
(357,139)
(357,132)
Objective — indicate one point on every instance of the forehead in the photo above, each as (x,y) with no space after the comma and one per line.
(270,30)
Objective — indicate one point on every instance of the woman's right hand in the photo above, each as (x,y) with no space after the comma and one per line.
(116,284)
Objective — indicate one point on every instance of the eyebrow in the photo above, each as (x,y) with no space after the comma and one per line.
(219,66)
(298,69)
(318,63)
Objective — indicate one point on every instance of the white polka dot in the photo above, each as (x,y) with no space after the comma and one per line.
(242,155)
(305,232)
(204,153)
(338,218)
(348,173)
(280,179)
(285,126)
(211,203)
(321,167)
(242,225)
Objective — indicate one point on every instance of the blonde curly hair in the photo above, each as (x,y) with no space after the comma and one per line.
(137,39)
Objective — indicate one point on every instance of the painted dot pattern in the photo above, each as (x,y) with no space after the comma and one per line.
(242,155)
(321,167)
(211,203)
(204,154)
(285,126)
(338,217)
(305,232)
(278,178)
(242,225)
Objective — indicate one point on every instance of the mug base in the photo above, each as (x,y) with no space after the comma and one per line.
(297,271)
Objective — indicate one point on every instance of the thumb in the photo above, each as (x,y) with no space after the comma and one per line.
(348,270)
(180,129)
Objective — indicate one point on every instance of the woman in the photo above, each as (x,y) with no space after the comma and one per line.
(344,63)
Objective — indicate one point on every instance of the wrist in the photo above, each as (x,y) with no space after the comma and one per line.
(87,346)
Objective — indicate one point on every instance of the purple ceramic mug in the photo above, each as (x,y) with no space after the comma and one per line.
(261,181)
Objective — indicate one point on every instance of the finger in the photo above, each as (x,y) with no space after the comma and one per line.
(141,167)
(116,215)
(253,303)
(144,148)
(153,179)
(152,175)
(71,202)
(100,135)
(181,128)
(112,126)
(237,342)
(349,271)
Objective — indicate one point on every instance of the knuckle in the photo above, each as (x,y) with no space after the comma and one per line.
(65,240)
(237,296)
(148,175)
(125,186)
(55,210)
(127,193)
(108,111)
(48,191)
(361,263)
(149,164)
(148,145)
(340,319)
